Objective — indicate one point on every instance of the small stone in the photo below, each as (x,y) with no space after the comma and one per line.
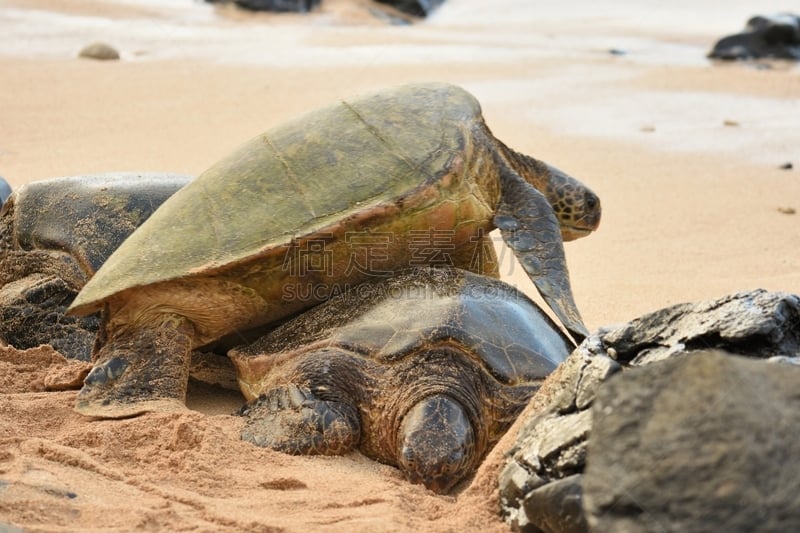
(558,434)
(648,129)
(787,166)
(787,210)
(557,506)
(617,52)
(101,51)
(515,482)
(730,123)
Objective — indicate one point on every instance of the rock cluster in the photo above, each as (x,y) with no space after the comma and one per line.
(764,36)
(661,424)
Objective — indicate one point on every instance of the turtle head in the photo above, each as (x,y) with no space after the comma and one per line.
(436,443)
(576,207)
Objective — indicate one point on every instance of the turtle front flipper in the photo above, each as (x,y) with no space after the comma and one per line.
(140,370)
(529,226)
(291,419)
(32,313)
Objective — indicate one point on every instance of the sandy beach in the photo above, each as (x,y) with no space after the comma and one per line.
(685,154)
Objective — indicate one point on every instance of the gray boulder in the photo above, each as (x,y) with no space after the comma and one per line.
(756,323)
(552,445)
(701,443)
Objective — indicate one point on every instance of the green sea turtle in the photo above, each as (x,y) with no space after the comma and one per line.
(424,371)
(400,178)
(54,235)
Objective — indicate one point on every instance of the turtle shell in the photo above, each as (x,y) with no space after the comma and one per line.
(87,217)
(419,309)
(354,159)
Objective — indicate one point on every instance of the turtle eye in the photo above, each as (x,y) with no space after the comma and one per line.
(591,201)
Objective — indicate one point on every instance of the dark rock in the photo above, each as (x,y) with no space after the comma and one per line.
(772,36)
(756,324)
(552,445)
(787,166)
(417,8)
(558,506)
(701,443)
(279,6)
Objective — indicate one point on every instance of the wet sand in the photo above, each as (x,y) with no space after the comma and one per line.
(684,153)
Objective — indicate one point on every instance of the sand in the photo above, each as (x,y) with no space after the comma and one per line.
(684,153)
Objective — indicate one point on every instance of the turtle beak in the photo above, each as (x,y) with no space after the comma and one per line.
(573,233)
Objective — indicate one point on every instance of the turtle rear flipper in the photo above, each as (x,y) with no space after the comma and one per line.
(291,419)
(530,228)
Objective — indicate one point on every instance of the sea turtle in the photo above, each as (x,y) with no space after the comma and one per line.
(424,371)
(400,178)
(54,235)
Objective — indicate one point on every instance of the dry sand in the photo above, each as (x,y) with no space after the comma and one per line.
(685,155)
